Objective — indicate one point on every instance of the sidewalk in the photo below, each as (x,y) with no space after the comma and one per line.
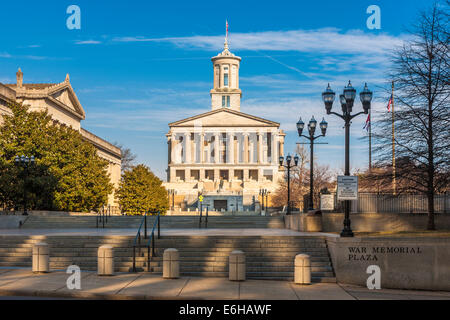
(23,283)
(164,232)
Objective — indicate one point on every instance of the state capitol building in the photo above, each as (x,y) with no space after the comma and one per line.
(224,154)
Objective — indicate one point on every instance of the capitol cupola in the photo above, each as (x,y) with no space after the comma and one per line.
(226,92)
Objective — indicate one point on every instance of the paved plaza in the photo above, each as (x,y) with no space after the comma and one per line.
(24,283)
(164,232)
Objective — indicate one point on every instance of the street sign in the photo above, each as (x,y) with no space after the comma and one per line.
(327,202)
(200,198)
(347,188)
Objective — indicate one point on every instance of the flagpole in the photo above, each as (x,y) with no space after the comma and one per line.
(394,183)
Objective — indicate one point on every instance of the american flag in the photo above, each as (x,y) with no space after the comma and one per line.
(226,22)
(367,125)
(390,103)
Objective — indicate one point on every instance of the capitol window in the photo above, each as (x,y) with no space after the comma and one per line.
(225,77)
(225,101)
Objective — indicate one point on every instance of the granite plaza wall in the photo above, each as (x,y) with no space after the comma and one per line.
(406,263)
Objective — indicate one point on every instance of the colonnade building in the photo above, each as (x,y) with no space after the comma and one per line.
(224,154)
(62,104)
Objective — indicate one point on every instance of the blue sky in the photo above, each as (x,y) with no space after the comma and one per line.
(138,65)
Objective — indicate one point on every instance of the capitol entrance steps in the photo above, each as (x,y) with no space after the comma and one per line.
(174,222)
(268,257)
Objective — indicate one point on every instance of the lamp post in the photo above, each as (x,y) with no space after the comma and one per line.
(311,129)
(263,193)
(24,162)
(288,166)
(347,99)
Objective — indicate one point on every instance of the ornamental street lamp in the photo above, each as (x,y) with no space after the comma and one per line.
(347,99)
(24,162)
(263,193)
(311,129)
(288,166)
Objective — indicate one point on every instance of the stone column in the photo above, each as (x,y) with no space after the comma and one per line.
(238,149)
(251,146)
(202,148)
(230,148)
(217,147)
(246,155)
(274,153)
(260,147)
(172,147)
(187,147)
(281,146)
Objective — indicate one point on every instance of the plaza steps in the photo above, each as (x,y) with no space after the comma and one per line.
(268,257)
(174,222)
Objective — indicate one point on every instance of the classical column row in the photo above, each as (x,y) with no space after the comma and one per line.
(248,147)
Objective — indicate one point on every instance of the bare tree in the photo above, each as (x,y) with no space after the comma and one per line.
(128,157)
(297,187)
(323,177)
(422,117)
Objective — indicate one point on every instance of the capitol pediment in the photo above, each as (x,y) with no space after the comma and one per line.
(224,118)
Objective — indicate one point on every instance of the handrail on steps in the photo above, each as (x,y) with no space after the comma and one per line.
(102,216)
(150,242)
(201,217)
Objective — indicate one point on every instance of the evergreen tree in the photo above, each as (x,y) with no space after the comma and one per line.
(67,175)
(140,191)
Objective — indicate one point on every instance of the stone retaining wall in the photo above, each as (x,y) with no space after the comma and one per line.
(406,263)
(365,222)
(11,221)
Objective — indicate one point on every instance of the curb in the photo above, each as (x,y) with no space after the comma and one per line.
(87,295)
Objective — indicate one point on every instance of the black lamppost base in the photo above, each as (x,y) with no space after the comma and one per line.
(347,233)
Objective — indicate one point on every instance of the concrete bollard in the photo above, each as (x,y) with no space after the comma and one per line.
(105,261)
(171,264)
(41,257)
(237,266)
(302,269)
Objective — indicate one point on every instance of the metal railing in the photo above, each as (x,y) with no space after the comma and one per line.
(402,203)
(150,243)
(102,217)
(201,217)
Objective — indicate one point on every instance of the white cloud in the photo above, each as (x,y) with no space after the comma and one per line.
(87,42)
(5,55)
(327,40)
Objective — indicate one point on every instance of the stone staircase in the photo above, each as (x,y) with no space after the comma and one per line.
(80,221)
(268,257)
